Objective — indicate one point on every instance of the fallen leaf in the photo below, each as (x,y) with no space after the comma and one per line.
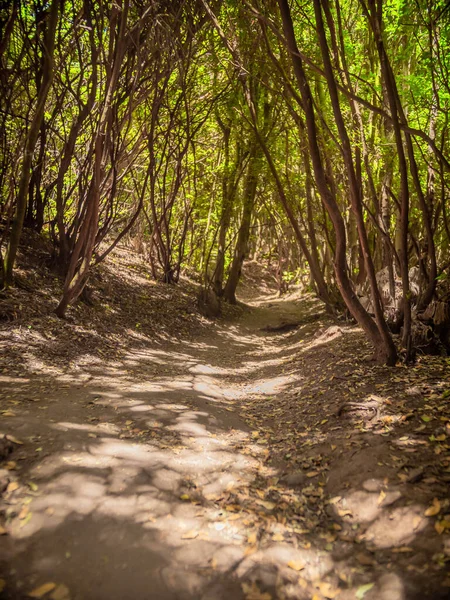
(14,440)
(251,539)
(381,497)
(297,565)
(3,530)
(434,509)
(327,590)
(278,537)
(267,505)
(42,590)
(26,519)
(442,526)
(12,487)
(61,592)
(190,535)
(402,549)
(23,513)
(365,559)
(363,589)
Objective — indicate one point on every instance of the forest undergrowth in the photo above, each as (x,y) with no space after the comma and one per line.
(149,452)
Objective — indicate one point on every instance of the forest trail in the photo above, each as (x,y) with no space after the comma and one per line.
(203,470)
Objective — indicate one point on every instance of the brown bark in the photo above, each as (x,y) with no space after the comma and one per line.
(30,144)
(248,202)
(374,16)
(355,188)
(341,270)
(81,256)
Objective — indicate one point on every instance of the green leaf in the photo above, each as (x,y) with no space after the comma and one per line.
(362,591)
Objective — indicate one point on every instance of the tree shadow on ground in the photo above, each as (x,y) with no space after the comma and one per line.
(143,481)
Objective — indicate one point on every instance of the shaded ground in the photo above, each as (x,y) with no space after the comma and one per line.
(219,460)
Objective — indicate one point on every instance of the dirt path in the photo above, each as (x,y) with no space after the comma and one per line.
(220,469)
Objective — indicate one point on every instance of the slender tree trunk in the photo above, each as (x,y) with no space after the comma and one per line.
(355,189)
(374,17)
(81,256)
(241,249)
(341,269)
(30,144)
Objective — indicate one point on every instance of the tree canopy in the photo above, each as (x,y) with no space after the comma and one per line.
(312,133)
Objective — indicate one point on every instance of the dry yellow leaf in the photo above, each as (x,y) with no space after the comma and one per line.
(189,535)
(23,513)
(297,565)
(442,526)
(335,499)
(327,590)
(434,509)
(251,539)
(26,519)
(12,487)
(13,439)
(234,517)
(312,474)
(416,522)
(381,497)
(278,537)
(11,465)
(42,590)
(302,583)
(61,592)
(267,505)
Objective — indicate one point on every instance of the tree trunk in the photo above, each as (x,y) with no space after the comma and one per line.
(240,251)
(30,144)
(383,352)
